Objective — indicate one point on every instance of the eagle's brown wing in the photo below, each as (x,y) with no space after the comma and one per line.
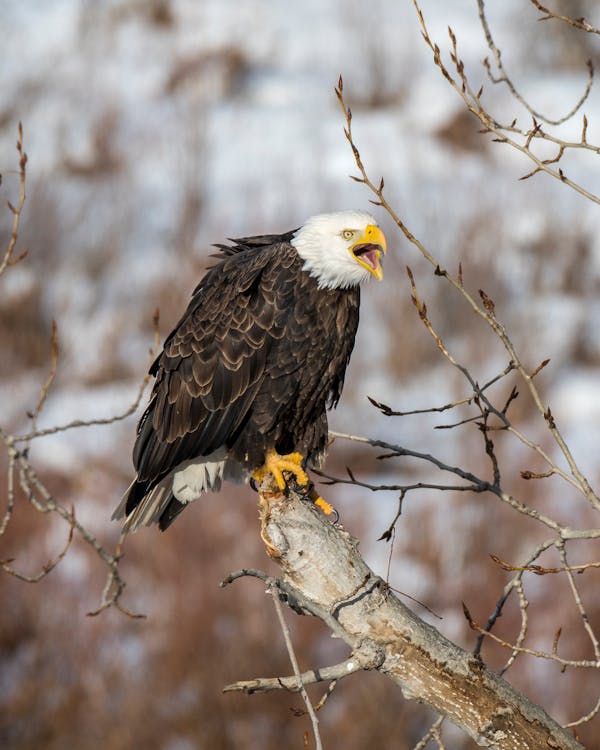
(213,363)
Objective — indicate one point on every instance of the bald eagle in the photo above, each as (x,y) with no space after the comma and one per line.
(245,378)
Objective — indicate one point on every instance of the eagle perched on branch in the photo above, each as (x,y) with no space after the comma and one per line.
(245,378)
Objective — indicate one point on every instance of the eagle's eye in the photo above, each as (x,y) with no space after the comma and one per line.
(348,234)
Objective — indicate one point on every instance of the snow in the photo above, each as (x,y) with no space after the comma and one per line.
(576,407)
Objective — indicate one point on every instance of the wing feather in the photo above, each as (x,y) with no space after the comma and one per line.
(214,362)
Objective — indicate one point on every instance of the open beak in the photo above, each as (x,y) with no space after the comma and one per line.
(369,249)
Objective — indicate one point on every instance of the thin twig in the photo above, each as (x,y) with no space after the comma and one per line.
(292,654)
(131,409)
(576,23)
(523,604)
(46,385)
(49,566)
(541,570)
(478,484)
(595,664)
(16,211)
(433,733)
(504,77)
(10,494)
(508,589)
(40,497)
(588,717)
(472,101)
(578,601)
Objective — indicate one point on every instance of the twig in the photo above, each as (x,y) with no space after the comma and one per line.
(510,586)
(296,600)
(433,733)
(504,77)
(578,602)
(542,571)
(46,386)
(102,421)
(51,375)
(39,496)
(292,654)
(584,719)
(523,604)
(16,211)
(325,697)
(387,534)
(472,101)
(474,625)
(49,566)
(478,484)
(576,23)
(10,494)
(404,488)
(312,676)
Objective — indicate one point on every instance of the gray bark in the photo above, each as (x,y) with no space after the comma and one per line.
(321,562)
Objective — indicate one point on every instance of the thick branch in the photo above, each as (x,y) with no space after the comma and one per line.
(321,561)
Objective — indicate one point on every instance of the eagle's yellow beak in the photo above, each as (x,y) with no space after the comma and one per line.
(368,250)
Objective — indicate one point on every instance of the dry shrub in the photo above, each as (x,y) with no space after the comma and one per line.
(104,158)
(24,330)
(225,67)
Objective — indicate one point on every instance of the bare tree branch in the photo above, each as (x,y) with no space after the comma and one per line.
(576,23)
(320,562)
(504,78)
(472,101)
(131,409)
(484,311)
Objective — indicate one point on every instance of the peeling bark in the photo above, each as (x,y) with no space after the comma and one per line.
(321,562)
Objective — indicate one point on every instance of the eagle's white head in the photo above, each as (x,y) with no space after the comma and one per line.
(341,249)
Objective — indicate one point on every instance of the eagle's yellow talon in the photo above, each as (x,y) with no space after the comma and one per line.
(326,507)
(276,465)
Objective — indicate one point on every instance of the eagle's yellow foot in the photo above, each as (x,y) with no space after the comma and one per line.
(276,465)
(326,507)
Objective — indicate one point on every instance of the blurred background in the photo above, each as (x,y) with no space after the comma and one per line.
(155,128)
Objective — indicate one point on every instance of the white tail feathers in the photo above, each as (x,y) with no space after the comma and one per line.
(193,478)
(186,483)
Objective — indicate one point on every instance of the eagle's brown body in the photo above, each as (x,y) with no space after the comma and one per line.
(253,364)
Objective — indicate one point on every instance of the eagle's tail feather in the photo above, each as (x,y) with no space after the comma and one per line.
(142,505)
(147,509)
